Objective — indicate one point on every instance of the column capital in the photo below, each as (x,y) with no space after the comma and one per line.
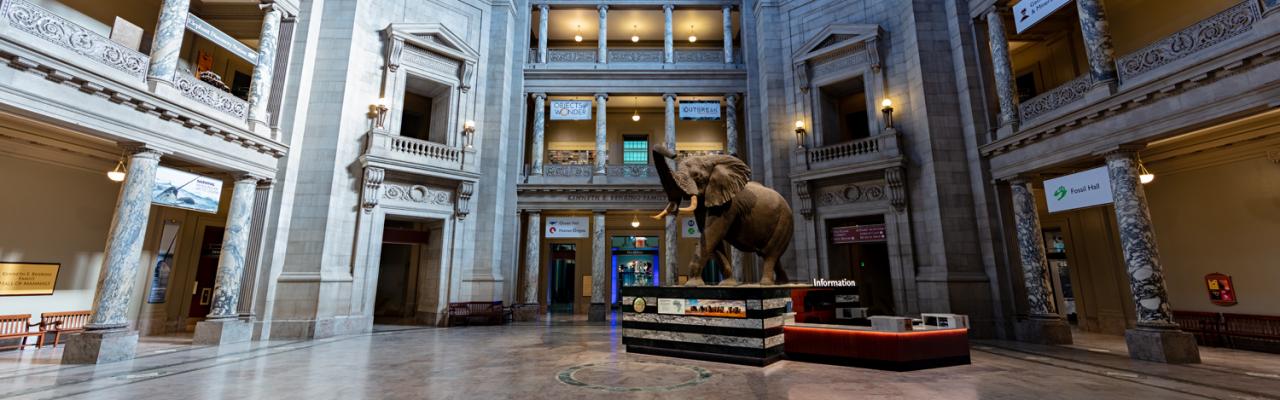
(533,212)
(242,176)
(140,150)
(543,7)
(731,97)
(668,7)
(1023,179)
(604,8)
(668,96)
(538,95)
(1121,151)
(602,97)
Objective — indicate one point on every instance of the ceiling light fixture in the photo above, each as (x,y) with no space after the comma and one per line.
(635,102)
(635,221)
(692,37)
(118,173)
(635,37)
(1144,175)
(578,37)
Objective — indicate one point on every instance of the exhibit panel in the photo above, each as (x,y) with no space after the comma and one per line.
(741,325)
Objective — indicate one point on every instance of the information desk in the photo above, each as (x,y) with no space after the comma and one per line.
(926,347)
(741,325)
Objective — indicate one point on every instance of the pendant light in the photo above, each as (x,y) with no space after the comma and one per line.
(118,173)
(692,37)
(635,102)
(578,37)
(635,37)
(1144,176)
(635,221)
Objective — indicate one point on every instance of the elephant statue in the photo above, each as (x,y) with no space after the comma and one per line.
(729,210)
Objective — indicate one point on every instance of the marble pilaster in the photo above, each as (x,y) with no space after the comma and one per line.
(107,337)
(1002,66)
(539,131)
(600,271)
(1031,248)
(668,44)
(669,124)
(543,9)
(1097,41)
(731,124)
(602,146)
(248,282)
(532,257)
(165,47)
(602,46)
(264,69)
(669,250)
(235,242)
(726,10)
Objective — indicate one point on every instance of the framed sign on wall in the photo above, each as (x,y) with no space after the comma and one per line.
(28,279)
(1221,291)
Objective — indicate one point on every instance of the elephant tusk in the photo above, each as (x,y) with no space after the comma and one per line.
(661,214)
(693,204)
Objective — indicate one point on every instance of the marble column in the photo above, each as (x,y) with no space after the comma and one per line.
(602,146)
(222,325)
(731,124)
(669,124)
(669,249)
(264,69)
(539,131)
(600,271)
(543,10)
(1157,337)
(532,257)
(668,45)
(249,280)
(167,44)
(107,337)
(728,34)
(1097,41)
(1045,325)
(1002,66)
(602,46)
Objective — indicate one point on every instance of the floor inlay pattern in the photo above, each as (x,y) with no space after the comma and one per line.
(634,376)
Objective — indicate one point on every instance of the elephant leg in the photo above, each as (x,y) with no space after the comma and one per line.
(712,238)
(773,250)
(726,265)
(695,268)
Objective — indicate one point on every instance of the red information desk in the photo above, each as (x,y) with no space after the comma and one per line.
(861,346)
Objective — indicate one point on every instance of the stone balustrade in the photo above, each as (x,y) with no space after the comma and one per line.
(634,56)
(1204,34)
(62,32)
(211,96)
(884,146)
(1055,99)
(417,153)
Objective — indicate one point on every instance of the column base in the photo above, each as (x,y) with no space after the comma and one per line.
(223,331)
(1043,331)
(597,311)
(1004,131)
(1170,346)
(1100,91)
(526,312)
(98,347)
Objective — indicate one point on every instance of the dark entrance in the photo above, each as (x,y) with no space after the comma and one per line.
(206,273)
(858,251)
(395,301)
(563,275)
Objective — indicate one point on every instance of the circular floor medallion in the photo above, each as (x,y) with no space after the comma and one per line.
(634,376)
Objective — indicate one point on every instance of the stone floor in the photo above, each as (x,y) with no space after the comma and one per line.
(577,360)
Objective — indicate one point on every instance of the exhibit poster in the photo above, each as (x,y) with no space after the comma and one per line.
(568,227)
(164,262)
(571,110)
(700,110)
(181,189)
(28,279)
(689,228)
(703,307)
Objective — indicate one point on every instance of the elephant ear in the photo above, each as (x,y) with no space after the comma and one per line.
(728,177)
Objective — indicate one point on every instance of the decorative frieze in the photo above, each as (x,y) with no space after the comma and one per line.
(845,59)
(635,55)
(1216,29)
(46,25)
(1067,93)
(417,194)
(211,96)
(631,171)
(851,193)
(571,56)
(567,170)
(429,60)
(699,56)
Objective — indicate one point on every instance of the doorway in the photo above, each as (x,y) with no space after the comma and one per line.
(408,269)
(858,250)
(563,275)
(206,273)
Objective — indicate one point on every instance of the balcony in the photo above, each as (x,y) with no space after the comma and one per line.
(863,155)
(558,174)
(417,156)
(634,58)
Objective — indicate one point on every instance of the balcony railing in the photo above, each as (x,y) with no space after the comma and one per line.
(699,55)
(1056,98)
(631,171)
(1204,34)
(416,152)
(882,146)
(208,95)
(635,55)
(569,55)
(42,23)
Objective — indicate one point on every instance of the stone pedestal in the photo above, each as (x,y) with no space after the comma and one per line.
(1043,331)
(741,325)
(597,312)
(97,347)
(222,331)
(1158,345)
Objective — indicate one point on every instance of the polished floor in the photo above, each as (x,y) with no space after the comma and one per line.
(576,360)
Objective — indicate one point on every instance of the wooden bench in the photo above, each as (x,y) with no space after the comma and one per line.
(18,326)
(64,322)
(476,313)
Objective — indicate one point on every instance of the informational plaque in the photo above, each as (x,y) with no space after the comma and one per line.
(572,110)
(703,307)
(689,228)
(568,227)
(858,234)
(700,110)
(28,279)
(181,189)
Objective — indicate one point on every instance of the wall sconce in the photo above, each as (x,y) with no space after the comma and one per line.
(800,133)
(469,132)
(379,112)
(117,174)
(886,107)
